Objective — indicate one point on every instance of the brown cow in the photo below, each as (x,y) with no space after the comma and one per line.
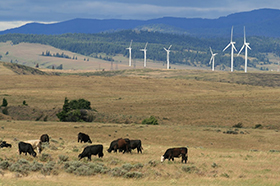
(176,153)
(121,144)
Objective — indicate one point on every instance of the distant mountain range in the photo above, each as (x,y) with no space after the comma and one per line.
(261,22)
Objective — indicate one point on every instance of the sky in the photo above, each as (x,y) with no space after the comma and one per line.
(14,13)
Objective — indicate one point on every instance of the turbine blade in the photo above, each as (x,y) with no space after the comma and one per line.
(211,50)
(130,44)
(231,33)
(234,47)
(244,35)
(165,49)
(240,50)
(169,47)
(211,59)
(146,45)
(226,47)
(247,44)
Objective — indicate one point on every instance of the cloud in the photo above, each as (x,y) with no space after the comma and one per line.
(20,11)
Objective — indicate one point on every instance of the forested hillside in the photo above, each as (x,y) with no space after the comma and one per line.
(185,50)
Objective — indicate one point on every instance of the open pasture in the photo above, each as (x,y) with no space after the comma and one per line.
(174,101)
(190,112)
(215,158)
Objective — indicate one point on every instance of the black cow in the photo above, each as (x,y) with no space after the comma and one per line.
(5,144)
(83,138)
(45,138)
(136,144)
(113,146)
(176,153)
(122,144)
(92,150)
(26,148)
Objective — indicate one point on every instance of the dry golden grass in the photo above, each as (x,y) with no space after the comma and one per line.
(191,113)
(173,101)
(219,159)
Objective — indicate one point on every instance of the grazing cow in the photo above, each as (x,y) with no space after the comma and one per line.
(26,148)
(83,138)
(136,144)
(4,144)
(113,146)
(121,144)
(45,138)
(176,153)
(92,150)
(36,144)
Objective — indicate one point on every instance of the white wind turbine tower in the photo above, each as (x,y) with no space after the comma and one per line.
(129,49)
(167,57)
(246,45)
(212,59)
(232,47)
(145,53)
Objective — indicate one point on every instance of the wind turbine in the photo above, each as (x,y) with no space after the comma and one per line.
(129,49)
(145,52)
(212,59)
(246,45)
(231,43)
(167,57)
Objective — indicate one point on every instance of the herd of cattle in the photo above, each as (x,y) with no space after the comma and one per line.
(121,145)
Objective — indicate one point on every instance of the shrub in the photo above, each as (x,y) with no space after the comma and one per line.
(63,158)
(225,175)
(150,121)
(127,166)
(258,126)
(138,165)
(5,111)
(48,167)
(36,166)
(190,169)
(76,110)
(83,171)
(24,103)
(4,165)
(21,166)
(45,157)
(117,172)
(4,103)
(238,125)
(133,175)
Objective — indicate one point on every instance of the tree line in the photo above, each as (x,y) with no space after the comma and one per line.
(185,49)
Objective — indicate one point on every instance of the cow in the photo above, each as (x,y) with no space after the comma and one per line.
(26,148)
(36,144)
(5,144)
(45,138)
(121,144)
(83,138)
(136,144)
(113,146)
(92,150)
(176,153)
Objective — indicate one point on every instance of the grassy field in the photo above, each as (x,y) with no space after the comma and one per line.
(194,109)
(30,54)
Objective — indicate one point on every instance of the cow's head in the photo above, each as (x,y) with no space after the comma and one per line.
(162,159)
(34,154)
(109,150)
(80,156)
(89,141)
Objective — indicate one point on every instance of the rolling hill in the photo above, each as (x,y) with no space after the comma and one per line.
(261,22)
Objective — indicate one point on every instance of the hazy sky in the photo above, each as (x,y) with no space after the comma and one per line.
(14,13)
